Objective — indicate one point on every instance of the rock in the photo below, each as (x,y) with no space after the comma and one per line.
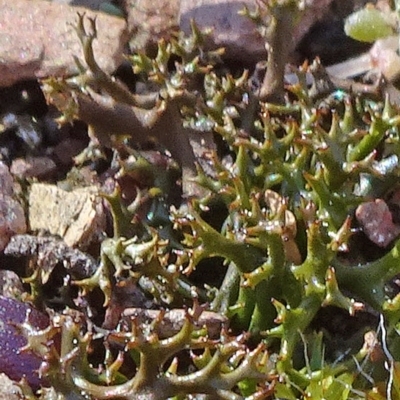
(48,252)
(10,284)
(13,362)
(384,57)
(33,167)
(9,389)
(315,11)
(147,23)
(12,219)
(76,216)
(230,30)
(126,294)
(6,180)
(235,32)
(46,42)
(377,222)
(12,216)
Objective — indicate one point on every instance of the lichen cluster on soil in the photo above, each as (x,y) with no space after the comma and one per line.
(249,252)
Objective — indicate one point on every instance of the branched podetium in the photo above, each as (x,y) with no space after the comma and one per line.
(317,175)
(295,175)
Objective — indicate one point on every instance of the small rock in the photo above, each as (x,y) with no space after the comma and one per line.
(14,363)
(235,32)
(146,21)
(9,389)
(12,219)
(10,284)
(76,216)
(45,41)
(377,222)
(126,294)
(6,180)
(33,167)
(48,252)
(27,130)
(384,57)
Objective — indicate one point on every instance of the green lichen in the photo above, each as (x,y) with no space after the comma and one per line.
(220,364)
(294,175)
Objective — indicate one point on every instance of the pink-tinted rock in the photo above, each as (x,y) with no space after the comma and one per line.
(235,32)
(14,363)
(230,30)
(12,219)
(33,167)
(38,39)
(6,180)
(149,24)
(384,57)
(377,222)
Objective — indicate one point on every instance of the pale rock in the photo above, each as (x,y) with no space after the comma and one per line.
(75,216)
(9,389)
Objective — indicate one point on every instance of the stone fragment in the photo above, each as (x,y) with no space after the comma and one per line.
(6,180)
(384,57)
(76,216)
(230,30)
(45,42)
(151,20)
(12,216)
(18,364)
(125,294)
(9,389)
(235,32)
(33,167)
(377,222)
(10,284)
(67,149)
(47,252)
(12,219)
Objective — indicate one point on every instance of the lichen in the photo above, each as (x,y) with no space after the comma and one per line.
(289,181)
